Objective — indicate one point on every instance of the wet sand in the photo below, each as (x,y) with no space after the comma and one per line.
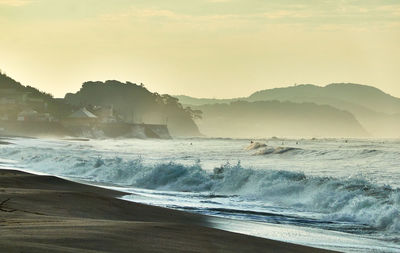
(49,214)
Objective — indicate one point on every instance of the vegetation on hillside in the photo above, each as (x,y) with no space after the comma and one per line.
(138,105)
(55,107)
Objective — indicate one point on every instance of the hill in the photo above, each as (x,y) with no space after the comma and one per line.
(53,106)
(273,118)
(137,104)
(365,96)
(374,109)
(191,101)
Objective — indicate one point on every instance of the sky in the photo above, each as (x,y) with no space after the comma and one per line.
(202,48)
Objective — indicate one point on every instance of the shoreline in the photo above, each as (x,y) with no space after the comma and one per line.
(50,214)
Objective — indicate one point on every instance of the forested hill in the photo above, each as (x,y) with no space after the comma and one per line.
(139,105)
(7,82)
(54,107)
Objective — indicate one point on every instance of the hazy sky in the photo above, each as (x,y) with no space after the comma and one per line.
(205,48)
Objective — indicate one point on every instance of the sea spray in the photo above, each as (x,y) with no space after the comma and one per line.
(337,198)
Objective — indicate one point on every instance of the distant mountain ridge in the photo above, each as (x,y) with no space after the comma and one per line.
(273,118)
(377,111)
(187,100)
(362,95)
(357,94)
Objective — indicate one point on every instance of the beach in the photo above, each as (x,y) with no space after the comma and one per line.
(49,214)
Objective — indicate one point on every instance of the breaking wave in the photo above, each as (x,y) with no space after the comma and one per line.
(256,145)
(264,149)
(278,150)
(337,199)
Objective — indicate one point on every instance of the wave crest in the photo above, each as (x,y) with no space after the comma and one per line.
(337,199)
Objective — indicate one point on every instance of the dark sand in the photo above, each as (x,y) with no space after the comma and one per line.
(48,214)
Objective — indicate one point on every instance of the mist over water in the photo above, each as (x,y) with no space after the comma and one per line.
(333,184)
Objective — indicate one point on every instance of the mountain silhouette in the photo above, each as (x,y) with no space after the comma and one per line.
(377,111)
(273,118)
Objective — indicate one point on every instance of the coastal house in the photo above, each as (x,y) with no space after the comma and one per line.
(81,117)
(18,98)
(12,96)
(38,103)
(7,101)
(8,111)
(12,113)
(105,114)
(32,115)
(45,117)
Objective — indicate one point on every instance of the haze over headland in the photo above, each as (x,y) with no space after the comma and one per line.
(336,110)
(202,48)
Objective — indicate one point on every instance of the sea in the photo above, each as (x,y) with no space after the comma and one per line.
(340,194)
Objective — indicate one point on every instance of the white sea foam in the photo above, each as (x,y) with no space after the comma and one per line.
(277,150)
(256,145)
(331,194)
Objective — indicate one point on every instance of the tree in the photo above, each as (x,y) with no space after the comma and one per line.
(194,114)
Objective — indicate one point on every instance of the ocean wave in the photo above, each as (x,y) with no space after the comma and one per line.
(256,145)
(339,153)
(278,150)
(352,199)
(337,199)
(264,149)
(370,151)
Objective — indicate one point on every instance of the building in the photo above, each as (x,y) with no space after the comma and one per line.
(9,111)
(12,97)
(27,115)
(81,117)
(105,114)
(32,115)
